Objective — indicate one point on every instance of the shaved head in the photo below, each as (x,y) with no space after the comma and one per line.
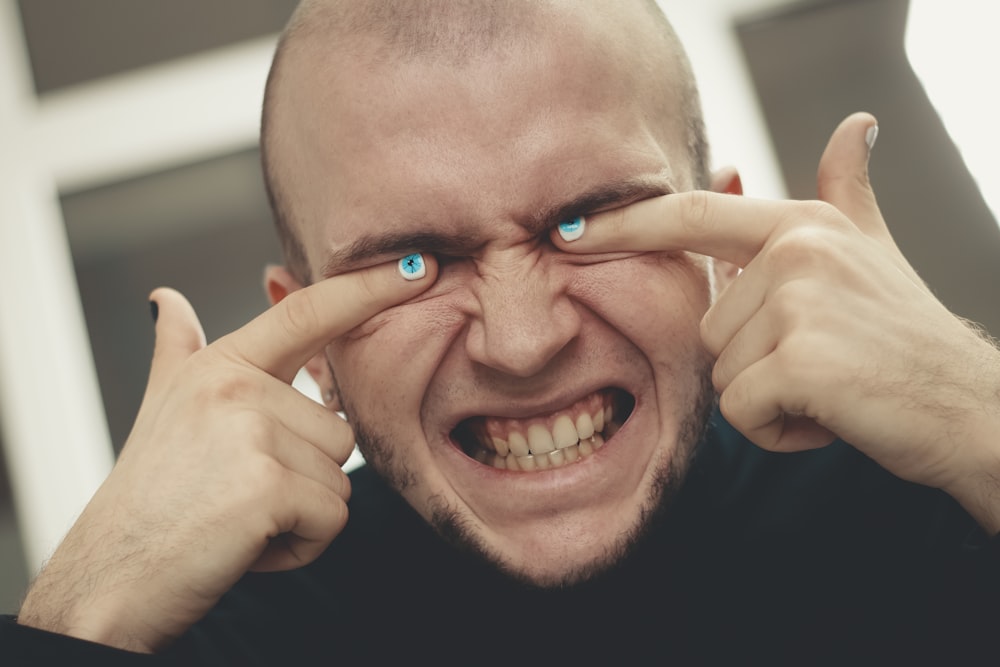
(327,34)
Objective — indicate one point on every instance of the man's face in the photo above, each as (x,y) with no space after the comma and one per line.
(517,347)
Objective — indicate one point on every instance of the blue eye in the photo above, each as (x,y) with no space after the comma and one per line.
(412,267)
(571,230)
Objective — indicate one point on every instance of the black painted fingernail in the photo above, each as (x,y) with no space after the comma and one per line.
(154,310)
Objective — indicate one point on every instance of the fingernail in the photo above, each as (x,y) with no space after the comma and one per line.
(573,229)
(412,267)
(154,310)
(871,136)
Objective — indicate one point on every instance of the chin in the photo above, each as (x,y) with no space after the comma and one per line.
(567,545)
(552,560)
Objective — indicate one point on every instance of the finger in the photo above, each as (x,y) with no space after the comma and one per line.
(310,516)
(719,225)
(283,338)
(305,459)
(178,335)
(304,417)
(842,179)
(756,404)
(733,308)
(751,343)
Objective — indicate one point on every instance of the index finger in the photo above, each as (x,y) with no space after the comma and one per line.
(724,226)
(284,337)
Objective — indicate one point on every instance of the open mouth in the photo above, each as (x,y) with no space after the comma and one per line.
(546,441)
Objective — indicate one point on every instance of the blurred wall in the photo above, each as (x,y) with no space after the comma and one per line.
(813,65)
(199,223)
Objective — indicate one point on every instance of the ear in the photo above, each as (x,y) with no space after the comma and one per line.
(725,181)
(279,283)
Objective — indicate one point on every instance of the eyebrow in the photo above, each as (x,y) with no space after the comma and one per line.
(393,244)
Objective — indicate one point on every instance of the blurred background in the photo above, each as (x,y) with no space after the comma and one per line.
(128,160)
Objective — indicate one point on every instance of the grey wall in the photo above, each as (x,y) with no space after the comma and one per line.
(815,65)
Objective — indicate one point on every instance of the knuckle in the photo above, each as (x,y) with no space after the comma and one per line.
(345,438)
(302,552)
(709,338)
(803,246)
(720,376)
(801,362)
(788,302)
(696,211)
(330,520)
(265,474)
(345,489)
(339,483)
(821,213)
(731,402)
(367,288)
(254,428)
(833,185)
(338,440)
(862,180)
(732,361)
(734,404)
(300,314)
(328,473)
(228,387)
(788,356)
(337,516)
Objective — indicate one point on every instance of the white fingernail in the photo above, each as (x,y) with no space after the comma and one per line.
(573,229)
(871,136)
(412,267)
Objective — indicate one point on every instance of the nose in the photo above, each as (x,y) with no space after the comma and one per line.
(525,318)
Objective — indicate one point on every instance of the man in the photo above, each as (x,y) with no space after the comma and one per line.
(533,381)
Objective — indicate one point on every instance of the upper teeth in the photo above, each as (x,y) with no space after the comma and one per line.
(541,447)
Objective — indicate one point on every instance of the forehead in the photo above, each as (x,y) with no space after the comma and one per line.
(426,144)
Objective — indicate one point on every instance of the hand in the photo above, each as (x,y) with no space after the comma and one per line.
(828,331)
(227,469)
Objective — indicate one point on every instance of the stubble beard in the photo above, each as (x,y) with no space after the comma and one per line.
(449,522)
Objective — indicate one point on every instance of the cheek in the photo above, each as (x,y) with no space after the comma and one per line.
(385,362)
(647,297)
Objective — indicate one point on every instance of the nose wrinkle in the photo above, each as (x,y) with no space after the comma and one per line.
(524,321)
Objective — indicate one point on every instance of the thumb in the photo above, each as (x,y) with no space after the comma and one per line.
(178,336)
(842,179)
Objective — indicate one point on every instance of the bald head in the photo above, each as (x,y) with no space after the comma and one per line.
(451,31)
(371,34)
